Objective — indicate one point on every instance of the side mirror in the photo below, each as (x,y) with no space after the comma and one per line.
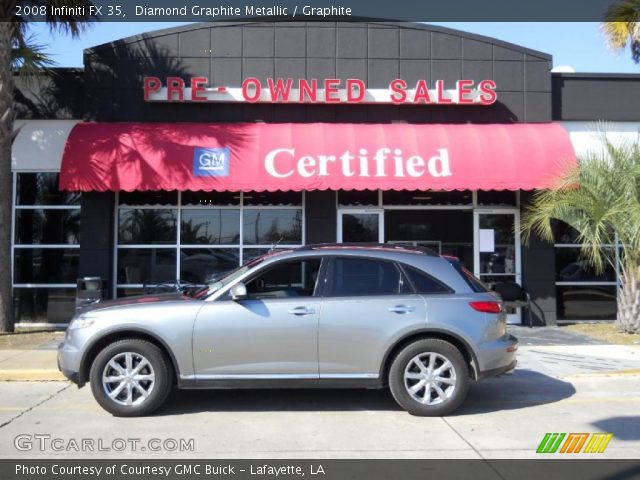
(238,291)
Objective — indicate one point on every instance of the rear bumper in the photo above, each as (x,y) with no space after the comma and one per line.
(497,371)
(497,357)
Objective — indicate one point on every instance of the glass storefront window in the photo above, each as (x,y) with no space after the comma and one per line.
(204,265)
(146,265)
(405,197)
(46,265)
(571,267)
(586,302)
(210,227)
(49,227)
(265,227)
(581,293)
(42,189)
(46,305)
(46,248)
(147,226)
(449,232)
(502,259)
(360,227)
(213,234)
(564,234)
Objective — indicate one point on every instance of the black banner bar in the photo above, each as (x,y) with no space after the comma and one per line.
(329,10)
(140,469)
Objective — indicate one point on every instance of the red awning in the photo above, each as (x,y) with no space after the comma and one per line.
(315,156)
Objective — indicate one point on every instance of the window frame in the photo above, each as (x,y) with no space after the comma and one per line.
(178,246)
(30,287)
(36,246)
(560,244)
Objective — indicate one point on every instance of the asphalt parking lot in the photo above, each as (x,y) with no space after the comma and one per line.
(556,388)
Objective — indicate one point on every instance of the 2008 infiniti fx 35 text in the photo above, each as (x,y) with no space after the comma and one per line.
(321,315)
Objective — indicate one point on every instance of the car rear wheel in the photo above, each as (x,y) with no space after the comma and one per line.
(130,378)
(429,377)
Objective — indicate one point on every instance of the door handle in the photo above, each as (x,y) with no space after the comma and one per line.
(302,311)
(402,309)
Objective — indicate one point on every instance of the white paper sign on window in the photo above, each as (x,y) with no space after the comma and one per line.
(487,240)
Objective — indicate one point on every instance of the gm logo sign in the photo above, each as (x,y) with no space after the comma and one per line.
(211,162)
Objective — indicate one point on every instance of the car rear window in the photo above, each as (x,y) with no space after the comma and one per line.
(473,282)
(424,283)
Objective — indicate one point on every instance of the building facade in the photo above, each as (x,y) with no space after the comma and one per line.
(184,152)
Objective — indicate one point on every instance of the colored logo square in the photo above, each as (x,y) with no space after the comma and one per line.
(211,162)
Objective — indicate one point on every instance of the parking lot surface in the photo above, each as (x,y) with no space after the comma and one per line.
(556,388)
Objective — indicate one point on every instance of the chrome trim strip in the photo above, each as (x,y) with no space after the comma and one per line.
(251,376)
(281,376)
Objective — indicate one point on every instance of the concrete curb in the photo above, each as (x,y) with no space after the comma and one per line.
(32,375)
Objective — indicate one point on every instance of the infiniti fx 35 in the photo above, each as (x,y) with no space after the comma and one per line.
(331,315)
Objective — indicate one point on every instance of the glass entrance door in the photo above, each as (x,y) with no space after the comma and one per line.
(360,225)
(497,249)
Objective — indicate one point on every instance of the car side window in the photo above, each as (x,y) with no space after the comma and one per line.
(361,276)
(296,278)
(423,282)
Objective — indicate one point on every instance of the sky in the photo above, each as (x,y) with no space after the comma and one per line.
(578,45)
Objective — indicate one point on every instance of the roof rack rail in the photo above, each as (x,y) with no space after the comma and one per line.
(370,245)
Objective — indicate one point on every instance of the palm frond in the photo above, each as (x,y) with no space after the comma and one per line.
(621,27)
(28,57)
(600,199)
(73,25)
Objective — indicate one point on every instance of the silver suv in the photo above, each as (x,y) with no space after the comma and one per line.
(331,315)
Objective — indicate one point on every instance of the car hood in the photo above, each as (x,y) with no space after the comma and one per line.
(137,300)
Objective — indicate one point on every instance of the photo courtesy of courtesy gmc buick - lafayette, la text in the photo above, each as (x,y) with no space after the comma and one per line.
(331,315)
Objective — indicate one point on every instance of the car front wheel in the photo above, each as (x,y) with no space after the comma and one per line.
(429,377)
(130,378)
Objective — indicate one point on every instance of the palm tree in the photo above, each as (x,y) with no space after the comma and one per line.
(600,199)
(18,51)
(622,26)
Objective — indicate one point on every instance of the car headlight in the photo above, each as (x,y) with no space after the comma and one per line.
(81,322)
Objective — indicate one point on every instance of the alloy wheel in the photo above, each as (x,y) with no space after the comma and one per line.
(128,378)
(430,378)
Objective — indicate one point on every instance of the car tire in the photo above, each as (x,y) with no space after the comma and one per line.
(433,389)
(122,391)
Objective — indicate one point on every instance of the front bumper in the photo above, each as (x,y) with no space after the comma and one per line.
(497,357)
(69,359)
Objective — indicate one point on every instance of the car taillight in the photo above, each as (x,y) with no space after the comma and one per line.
(486,307)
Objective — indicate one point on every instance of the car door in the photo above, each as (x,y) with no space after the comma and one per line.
(273,333)
(367,304)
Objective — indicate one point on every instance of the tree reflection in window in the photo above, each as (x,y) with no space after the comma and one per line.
(264,227)
(210,227)
(147,226)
